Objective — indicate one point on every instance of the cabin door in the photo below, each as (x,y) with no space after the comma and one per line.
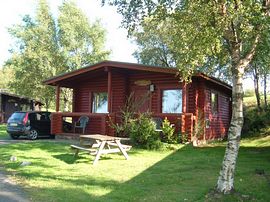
(142,98)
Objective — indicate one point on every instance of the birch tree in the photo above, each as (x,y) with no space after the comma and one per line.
(45,47)
(202,31)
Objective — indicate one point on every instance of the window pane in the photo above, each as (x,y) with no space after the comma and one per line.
(172,101)
(100,103)
(214,102)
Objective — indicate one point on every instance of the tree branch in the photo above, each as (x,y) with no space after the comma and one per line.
(251,53)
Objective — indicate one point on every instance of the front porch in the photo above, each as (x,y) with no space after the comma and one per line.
(100,123)
(101,91)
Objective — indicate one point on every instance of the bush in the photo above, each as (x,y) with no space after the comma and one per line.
(255,121)
(198,130)
(168,132)
(143,134)
(183,138)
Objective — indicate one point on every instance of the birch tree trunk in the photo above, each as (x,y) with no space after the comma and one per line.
(256,87)
(265,90)
(225,182)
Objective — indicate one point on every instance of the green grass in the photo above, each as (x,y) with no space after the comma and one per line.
(3,133)
(186,174)
(250,101)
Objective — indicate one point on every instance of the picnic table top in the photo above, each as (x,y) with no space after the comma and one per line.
(103,137)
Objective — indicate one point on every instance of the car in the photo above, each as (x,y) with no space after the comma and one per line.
(32,124)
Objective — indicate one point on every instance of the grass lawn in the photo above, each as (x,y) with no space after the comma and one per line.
(3,133)
(186,174)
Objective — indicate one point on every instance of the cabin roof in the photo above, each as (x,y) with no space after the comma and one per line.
(129,66)
(4,92)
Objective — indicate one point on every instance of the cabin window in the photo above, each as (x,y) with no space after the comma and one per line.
(100,102)
(214,102)
(172,101)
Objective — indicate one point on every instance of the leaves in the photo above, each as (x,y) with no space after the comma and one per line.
(45,47)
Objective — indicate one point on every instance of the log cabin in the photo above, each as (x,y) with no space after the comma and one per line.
(101,90)
(10,103)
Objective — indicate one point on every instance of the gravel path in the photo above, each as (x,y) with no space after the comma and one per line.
(9,190)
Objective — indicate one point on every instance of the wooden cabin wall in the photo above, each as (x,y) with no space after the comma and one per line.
(218,122)
(198,98)
(122,85)
(160,82)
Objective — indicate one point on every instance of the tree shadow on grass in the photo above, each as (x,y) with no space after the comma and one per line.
(185,175)
(69,158)
(189,174)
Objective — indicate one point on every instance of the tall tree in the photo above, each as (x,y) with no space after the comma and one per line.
(35,56)
(6,75)
(81,42)
(256,79)
(156,47)
(262,63)
(152,46)
(201,30)
(45,48)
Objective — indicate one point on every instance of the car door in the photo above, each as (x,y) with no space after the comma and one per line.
(40,122)
(44,123)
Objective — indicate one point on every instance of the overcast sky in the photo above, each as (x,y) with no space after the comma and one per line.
(12,11)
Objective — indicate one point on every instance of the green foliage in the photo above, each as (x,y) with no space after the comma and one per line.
(256,122)
(46,47)
(200,34)
(128,113)
(152,47)
(168,132)
(198,129)
(143,134)
(35,55)
(183,138)
(6,75)
(82,43)
(249,93)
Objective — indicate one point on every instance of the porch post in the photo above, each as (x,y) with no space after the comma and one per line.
(109,90)
(184,98)
(57,95)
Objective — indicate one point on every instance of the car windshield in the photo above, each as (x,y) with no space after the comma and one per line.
(17,116)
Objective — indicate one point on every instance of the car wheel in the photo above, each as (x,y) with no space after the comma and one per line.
(33,134)
(14,137)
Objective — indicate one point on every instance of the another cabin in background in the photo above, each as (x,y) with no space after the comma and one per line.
(10,103)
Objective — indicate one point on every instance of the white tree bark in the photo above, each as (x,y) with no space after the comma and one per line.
(225,182)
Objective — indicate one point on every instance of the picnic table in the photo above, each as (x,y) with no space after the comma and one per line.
(97,145)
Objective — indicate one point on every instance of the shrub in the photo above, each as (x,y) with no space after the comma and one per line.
(183,137)
(168,132)
(198,130)
(128,113)
(143,134)
(255,121)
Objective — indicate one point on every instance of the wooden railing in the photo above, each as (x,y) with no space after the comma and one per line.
(100,123)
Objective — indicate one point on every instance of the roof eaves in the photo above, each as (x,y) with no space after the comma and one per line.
(132,66)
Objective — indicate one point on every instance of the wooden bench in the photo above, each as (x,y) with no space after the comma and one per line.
(101,144)
(77,148)
(124,146)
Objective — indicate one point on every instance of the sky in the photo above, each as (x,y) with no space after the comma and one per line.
(12,11)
